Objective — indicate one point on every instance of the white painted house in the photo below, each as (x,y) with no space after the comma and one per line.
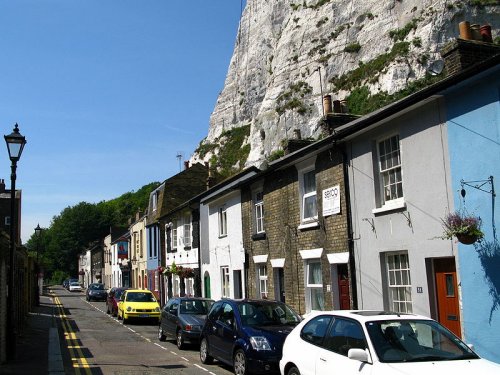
(221,239)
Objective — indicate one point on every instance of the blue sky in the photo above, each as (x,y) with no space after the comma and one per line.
(107,92)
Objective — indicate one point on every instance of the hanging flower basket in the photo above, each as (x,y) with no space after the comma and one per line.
(185,272)
(466,228)
(466,239)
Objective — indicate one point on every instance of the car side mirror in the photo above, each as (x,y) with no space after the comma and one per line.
(359,355)
(173,312)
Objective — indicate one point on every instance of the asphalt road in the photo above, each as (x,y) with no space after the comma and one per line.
(93,342)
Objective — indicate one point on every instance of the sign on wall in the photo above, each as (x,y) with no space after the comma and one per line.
(122,250)
(331,201)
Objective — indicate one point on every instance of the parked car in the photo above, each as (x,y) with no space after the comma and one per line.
(374,342)
(67,282)
(96,292)
(183,318)
(74,286)
(113,299)
(247,334)
(138,304)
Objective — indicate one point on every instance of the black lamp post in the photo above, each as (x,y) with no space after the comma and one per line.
(15,144)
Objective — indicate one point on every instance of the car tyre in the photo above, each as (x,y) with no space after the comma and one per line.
(125,318)
(205,358)
(179,340)
(240,362)
(161,334)
(293,371)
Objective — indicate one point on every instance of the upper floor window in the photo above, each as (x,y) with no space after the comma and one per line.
(154,200)
(259,212)
(222,221)
(308,191)
(391,181)
(186,235)
(174,236)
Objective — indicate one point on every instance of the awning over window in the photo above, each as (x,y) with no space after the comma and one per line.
(336,258)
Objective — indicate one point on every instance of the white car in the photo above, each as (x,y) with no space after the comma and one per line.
(75,287)
(377,343)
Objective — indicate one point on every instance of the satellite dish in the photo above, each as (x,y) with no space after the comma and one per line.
(436,67)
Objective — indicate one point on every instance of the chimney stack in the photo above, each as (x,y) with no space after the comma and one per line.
(186,164)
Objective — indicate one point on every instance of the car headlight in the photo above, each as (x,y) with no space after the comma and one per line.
(260,343)
(129,309)
(157,309)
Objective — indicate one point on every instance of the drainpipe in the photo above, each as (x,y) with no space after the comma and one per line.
(352,260)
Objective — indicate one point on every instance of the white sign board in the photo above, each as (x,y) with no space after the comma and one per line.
(331,201)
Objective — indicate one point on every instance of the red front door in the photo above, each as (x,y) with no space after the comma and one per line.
(447,294)
(343,280)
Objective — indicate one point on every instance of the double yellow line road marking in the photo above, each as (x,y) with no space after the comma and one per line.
(80,364)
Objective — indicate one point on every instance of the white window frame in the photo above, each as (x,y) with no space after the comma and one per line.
(174,239)
(186,232)
(259,212)
(313,288)
(386,173)
(399,282)
(304,196)
(225,282)
(262,280)
(155,200)
(222,215)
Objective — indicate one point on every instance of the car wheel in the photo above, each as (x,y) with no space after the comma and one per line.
(240,362)
(125,318)
(293,371)
(179,340)
(205,358)
(161,335)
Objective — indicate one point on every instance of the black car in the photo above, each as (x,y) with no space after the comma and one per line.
(96,292)
(183,318)
(247,334)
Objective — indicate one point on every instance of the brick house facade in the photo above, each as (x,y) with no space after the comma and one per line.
(288,245)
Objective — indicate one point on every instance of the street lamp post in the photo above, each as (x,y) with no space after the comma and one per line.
(15,145)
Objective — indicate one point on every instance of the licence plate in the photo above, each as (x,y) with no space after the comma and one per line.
(144,316)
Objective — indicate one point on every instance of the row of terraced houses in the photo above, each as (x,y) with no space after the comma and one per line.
(352,221)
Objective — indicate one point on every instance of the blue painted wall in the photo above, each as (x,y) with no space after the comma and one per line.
(473,122)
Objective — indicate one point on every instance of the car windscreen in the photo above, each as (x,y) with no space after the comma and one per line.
(406,340)
(198,307)
(140,297)
(255,313)
(97,286)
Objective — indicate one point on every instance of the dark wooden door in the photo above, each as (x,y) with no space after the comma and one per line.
(447,294)
(343,280)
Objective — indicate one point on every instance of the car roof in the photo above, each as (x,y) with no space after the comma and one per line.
(139,290)
(369,315)
(192,298)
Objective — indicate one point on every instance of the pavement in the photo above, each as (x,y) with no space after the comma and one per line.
(38,349)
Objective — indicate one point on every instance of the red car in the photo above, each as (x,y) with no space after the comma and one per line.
(113,299)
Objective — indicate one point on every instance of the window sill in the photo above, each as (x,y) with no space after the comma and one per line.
(187,247)
(222,235)
(310,225)
(259,236)
(389,207)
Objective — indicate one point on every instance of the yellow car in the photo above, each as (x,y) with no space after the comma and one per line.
(138,303)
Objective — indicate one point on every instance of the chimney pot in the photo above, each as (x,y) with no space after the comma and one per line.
(327,104)
(186,164)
